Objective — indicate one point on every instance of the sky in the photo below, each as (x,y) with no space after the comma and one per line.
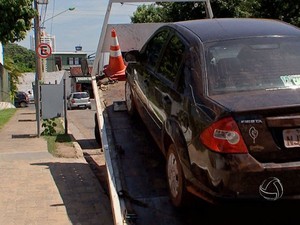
(81,26)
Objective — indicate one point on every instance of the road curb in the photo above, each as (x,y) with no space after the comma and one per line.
(79,152)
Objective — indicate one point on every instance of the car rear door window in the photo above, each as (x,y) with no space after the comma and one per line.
(172,59)
(154,47)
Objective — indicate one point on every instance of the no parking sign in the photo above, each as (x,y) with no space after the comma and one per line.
(44,50)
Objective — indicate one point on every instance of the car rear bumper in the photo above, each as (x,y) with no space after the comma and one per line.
(242,177)
(81,105)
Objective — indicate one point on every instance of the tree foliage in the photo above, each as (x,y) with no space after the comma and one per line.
(17,60)
(15,20)
(287,11)
(149,13)
(14,75)
(23,58)
(182,11)
(232,8)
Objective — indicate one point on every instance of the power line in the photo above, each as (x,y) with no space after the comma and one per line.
(52,16)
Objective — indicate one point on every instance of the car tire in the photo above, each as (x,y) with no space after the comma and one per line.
(131,109)
(23,104)
(176,179)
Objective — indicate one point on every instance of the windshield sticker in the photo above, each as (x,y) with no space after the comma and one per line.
(291,80)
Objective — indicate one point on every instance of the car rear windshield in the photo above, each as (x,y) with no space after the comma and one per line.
(269,63)
(81,95)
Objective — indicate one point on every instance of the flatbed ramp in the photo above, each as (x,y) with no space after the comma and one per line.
(138,165)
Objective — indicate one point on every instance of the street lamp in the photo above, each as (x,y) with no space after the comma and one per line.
(69,9)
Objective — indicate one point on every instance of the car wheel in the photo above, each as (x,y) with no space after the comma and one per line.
(129,100)
(176,180)
(23,104)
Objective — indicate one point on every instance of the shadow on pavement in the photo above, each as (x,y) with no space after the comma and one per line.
(83,197)
(99,171)
(88,144)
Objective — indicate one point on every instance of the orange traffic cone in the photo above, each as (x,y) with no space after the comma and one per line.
(115,69)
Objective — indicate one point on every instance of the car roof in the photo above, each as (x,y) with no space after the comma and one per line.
(233,28)
(21,93)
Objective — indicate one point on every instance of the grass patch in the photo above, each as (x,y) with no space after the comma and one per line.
(5,116)
(58,137)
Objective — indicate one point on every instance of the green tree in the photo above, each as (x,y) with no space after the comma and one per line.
(23,58)
(179,11)
(233,8)
(182,11)
(15,20)
(148,13)
(167,12)
(14,75)
(287,11)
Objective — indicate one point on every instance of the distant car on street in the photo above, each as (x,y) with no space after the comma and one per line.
(30,96)
(79,100)
(221,98)
(21,99)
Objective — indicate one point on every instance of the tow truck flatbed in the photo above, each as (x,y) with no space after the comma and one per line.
(140,164)
(136,168)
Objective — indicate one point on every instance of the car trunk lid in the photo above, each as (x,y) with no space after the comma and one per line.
(269,123)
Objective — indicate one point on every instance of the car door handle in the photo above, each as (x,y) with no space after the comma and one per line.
(146,82)
(166,99)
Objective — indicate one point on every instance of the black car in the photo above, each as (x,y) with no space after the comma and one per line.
(221,99)
(21,99)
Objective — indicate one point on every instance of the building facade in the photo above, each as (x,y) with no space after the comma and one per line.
(64,60)
(45,38)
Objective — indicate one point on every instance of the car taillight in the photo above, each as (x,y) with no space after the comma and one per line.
(224,136)
(73,101)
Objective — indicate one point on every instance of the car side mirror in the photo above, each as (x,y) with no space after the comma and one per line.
(132,56)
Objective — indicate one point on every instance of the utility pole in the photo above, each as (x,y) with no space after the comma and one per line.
(38,65)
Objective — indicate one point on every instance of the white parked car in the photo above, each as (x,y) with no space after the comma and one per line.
(79,100)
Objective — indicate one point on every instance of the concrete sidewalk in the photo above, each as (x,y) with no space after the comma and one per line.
(37,188)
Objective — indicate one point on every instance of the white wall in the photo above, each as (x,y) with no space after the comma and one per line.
(47,78)
(1,54)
